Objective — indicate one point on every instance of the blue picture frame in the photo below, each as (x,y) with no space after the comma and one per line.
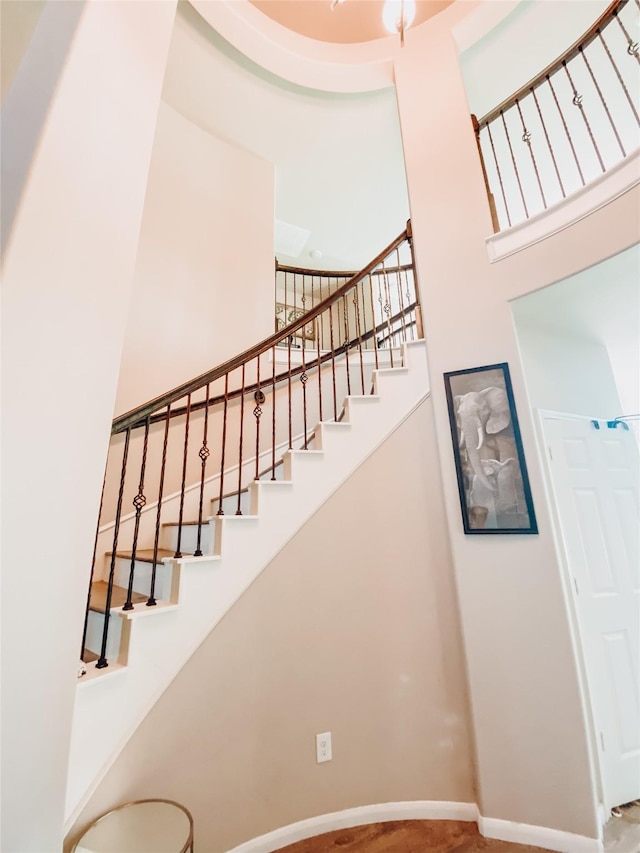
(493,482)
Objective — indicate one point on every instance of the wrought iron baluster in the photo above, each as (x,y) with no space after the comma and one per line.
(138,502)
(495,160)
(400,297)
(566,129)
(319,368)
(102,660)
(619,76)
(204,454)
(93,566)
(333,364)
(257,414)
(604,103)
(515,165)
(387,308)
(273,413)
(224,443)
(289,339)
(304,379)
(152,592)
(546,136)
(345,319)
(577,101)
(239,508)
(526,138)
(356,303)
(178,553)
(632,46)
(373,321)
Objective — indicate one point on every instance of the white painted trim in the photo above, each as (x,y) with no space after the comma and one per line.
(504,830)
(540,836)
(619,179)
(414,810)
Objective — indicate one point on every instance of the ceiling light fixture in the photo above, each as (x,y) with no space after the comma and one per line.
(397,15)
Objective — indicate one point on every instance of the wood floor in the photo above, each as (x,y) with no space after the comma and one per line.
(408,836)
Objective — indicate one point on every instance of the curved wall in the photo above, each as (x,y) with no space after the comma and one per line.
(533,761)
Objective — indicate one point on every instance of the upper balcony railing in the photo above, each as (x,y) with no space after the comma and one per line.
(570,124)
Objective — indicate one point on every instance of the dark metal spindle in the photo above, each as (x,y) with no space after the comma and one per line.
(273,413)
(102,660)
(224,443)
(400,298)
(93,567)
(495,159)
(356,303)
(304,379)
(139,501)
(619,76)
(204,454)
(289,340)
(604,103)
(373,321)
(566,129)
(577,100)
(526,138)
(345,317)
(333,364)
(546,136)
(152,592)
(257,413)
(178,553)
(515,165)
(239,508)
(318,354)
(632,46)
(387,308)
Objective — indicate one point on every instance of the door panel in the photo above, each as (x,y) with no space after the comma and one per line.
(595,480)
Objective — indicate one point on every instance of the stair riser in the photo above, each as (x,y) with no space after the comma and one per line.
(230,504)
(189,538)
(142,577)
(95,628)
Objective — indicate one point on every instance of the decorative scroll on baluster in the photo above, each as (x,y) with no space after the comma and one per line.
(204,454)
(138,502)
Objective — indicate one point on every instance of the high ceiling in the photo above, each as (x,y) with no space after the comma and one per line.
(338,157)
(349,22)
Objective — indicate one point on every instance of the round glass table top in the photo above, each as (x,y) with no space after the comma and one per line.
(145,826)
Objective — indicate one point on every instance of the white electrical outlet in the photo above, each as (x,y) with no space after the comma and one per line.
(323,747)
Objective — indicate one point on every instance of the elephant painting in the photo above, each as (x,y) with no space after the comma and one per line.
(490,467)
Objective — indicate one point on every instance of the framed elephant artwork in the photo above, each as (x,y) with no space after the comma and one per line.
(495,495)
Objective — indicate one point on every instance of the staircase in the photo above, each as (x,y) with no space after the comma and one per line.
(162,601)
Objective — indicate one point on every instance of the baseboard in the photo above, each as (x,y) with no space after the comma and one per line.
(504,830)
(538,836)
(413,810)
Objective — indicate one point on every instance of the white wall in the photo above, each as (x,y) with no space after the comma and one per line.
(79,122)
(567,373)
(203,288)
(530,732)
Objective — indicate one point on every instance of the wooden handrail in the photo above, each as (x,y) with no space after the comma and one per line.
(141,413)
(610,12)
(335,273)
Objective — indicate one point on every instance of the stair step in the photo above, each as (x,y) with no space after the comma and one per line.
(145,555)
(98,600)
(89,656)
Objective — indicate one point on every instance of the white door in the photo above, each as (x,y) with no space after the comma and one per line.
(595,479)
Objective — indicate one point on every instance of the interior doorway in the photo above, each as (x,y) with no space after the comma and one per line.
(579,341)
